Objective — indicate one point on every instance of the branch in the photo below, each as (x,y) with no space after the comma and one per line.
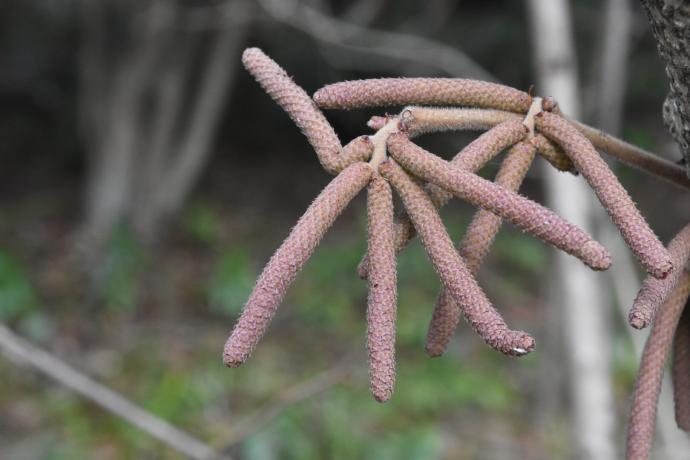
(293,395)
(376,43)
(23,353)
(635,156)
(216,79)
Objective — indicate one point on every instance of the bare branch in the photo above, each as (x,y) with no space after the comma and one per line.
(365,41)
(291,396)
(22,352)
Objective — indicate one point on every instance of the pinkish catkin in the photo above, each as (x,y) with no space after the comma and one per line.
(635,230)
(516,209)
(382,298)
(680,370)
(475,245)
(289,259)
(455,277)
(642,419)
(299,106)
(430,91)
(473,157)
(654,291)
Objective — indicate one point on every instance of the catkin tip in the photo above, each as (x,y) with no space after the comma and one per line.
(638,321)
(251,53)
(231,360)
(663,270)
(434,350)
(320,98)
(524,345)
(596,256)
(363,269)
(382,396)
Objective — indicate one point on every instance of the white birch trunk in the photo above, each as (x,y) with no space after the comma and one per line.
(579,292)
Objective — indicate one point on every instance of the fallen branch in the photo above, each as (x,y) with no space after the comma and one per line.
(293,395)
(23,353)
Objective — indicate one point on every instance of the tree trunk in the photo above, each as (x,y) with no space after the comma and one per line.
(147,139)
(579,292)
(670,21)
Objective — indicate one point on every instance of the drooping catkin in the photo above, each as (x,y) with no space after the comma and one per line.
(473,157)
(475,245)
(516,209)
(642,419)
(635,156)
(681,370)
(403,231)
(297,103)
(635,230)
(450,268)
(479,152)
(654,290)
(289,259)
(432,91)
(553,154)
(382,297)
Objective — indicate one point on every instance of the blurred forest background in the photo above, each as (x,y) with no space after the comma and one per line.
(145,179)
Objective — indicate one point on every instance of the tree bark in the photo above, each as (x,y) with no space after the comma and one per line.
(670,21)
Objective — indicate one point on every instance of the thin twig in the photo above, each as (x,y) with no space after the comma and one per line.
(379,44)
(291,396)
(22,352)
(634,156)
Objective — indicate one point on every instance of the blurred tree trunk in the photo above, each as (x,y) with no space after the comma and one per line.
(579,292)
(670,21)
(152,94)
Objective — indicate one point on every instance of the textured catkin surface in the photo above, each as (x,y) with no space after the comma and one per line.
(473,157)
(455,276)
(382,299)
(289,259)
(479,152)
(433,91)
(681,371)
(297,103)
(516,209)
(485,147)
(418,120)
(553,154)
(642,420)
(358,149)
(635,230)
(654,291)
(475,245)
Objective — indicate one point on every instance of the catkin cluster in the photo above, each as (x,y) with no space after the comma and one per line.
(389,161)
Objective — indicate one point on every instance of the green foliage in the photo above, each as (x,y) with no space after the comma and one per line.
(328,294)
(17,295)
(523,252)
(231,281)
(119,279)
(201,222)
